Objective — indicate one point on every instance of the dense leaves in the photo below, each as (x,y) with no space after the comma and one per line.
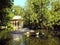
(18,10)
(5,12)
(42,13)
(37,11)
(5,4)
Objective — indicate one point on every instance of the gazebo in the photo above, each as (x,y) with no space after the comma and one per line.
(17,22)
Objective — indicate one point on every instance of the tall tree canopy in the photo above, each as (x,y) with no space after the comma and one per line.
(45,13)
(5,11)
(37,11)
(18,10)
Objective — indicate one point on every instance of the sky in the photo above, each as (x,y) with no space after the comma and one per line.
(19,2)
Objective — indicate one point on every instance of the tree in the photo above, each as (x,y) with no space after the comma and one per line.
(55,11)
(37,11)
(5,11)
(19,10)
(43,13)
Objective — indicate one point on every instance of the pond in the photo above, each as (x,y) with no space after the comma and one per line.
(21,39)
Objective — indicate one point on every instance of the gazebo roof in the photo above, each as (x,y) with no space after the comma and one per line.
(17,17)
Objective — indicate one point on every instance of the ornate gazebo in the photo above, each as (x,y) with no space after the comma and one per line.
(17,22)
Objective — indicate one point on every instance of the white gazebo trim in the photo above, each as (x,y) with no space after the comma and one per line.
(16,17)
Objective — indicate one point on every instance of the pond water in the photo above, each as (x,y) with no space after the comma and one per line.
(17,39)
(20,39)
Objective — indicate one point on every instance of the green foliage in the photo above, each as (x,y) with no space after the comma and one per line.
(6,4)
(53,14)
(45,13)
(37,11)
(5,12)
(19,10)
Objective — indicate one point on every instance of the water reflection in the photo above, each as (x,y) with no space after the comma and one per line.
(21,39)
(21,43)
(17,39)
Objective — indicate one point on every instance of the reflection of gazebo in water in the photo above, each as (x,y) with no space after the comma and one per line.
(17,22)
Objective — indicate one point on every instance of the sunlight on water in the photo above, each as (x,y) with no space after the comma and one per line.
(17,37)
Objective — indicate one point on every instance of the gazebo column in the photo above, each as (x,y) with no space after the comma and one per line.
(18,24)
(14,24)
